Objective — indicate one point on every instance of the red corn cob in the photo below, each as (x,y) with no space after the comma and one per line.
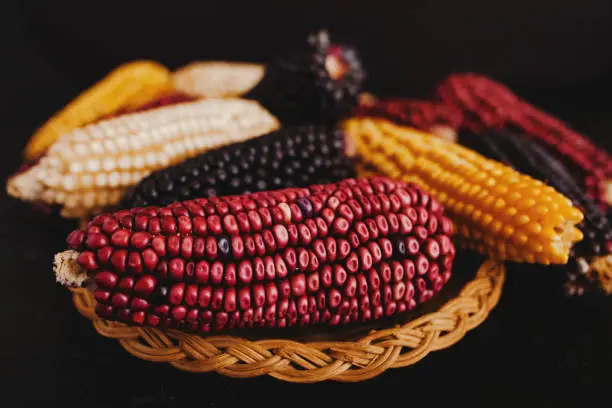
(427,116)
(327,254)
(488,104)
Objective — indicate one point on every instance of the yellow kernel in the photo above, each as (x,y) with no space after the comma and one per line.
(501,189)
(487,219)
(469,209)
(511,211)
(528,202)
(523,219)
(497,226)
(514,196)
(534,228)
(500,203)
(520,239)
(508,231)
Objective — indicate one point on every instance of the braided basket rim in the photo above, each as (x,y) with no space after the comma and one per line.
(309,362)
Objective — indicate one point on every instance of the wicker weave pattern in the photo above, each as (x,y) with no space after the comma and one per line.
(309,362)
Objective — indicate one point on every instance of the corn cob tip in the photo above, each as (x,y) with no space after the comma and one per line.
(217,79)
(608,191)
(367,99)
(67,270)
(600,270)
(444,132)
(25,186)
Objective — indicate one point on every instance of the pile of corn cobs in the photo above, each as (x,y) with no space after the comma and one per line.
(284,198)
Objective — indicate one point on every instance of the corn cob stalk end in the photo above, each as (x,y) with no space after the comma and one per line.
(67,271)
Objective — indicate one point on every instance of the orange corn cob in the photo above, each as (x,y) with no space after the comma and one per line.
(498,211)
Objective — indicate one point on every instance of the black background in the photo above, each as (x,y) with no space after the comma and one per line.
(536,346)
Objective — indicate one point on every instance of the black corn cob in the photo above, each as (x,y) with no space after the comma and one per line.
(528,156)
(319,84)
(289,157)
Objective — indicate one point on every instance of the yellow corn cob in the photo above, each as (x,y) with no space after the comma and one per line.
(127,86)
(497,211)
(88,169)
(217,79)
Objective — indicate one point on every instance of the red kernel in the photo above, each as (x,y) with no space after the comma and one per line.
(202,272)
(106,280)
(120,238)
(176,269)
(145,285)
(134,262)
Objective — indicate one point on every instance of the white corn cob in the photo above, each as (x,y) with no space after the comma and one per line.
(88,169)
(217,79)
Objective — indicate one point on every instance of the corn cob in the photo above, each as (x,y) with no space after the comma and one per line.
(356,250)
(88,169)
(289,157)
(590,257)
(318,85)
(217,79)
(497,211)
(129,85)
(436,118)
(487,104)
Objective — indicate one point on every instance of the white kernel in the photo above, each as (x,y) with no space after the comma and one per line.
(86,181)
(69,182)
(72,200)
(137,176)
(122,143)
(170,150)
(79,136)
(135,144)
(151,159)
(114,179)
(109,131)
(52,161)
(60,196)
(101,179)
(96,132)
(76,167)
(125,178)
(52,179)
(138,162)
(89,199)
(96,147)
(124,162)
(162,159)
(110,146)
(189,145)
(92,165)
(109,164)
(101,198)
(155,136)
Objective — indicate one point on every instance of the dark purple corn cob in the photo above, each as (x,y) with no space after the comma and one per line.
(319,84)
(289,157)
(530,157)
(331,254)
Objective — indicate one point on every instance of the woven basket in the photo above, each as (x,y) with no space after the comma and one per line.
(313,361)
